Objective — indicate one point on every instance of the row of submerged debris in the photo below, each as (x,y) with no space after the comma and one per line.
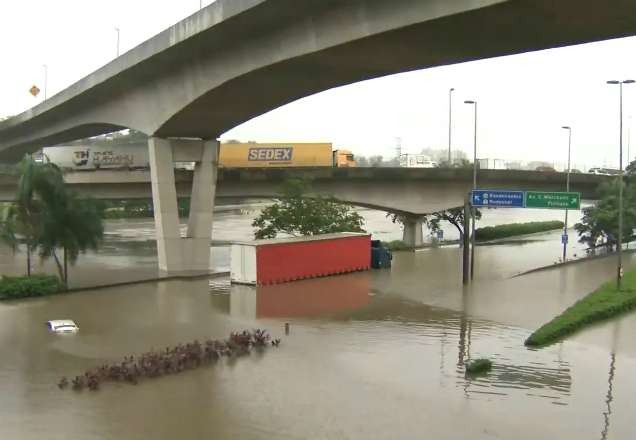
(171,360)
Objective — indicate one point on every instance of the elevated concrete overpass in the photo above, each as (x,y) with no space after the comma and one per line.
(237,59)
(409,192)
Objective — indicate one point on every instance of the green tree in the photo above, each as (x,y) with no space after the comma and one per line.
(72,224)
(48,216)
(600,222)
(294,213)
(36,185)
(8,233)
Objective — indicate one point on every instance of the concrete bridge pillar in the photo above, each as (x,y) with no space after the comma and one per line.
(412,234)
(192,252)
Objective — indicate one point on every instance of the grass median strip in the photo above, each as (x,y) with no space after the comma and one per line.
(514,229)
(604,303)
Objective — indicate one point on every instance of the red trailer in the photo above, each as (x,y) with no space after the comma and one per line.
(280,260)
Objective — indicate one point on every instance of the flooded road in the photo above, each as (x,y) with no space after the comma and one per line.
(375,354)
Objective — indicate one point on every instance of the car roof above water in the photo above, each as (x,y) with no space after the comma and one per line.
(56,323)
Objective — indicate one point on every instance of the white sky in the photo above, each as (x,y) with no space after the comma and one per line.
(523,99)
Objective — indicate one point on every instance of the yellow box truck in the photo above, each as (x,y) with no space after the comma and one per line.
(274,155)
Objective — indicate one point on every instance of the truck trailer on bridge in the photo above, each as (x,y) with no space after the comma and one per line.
(231,155)
(283,155)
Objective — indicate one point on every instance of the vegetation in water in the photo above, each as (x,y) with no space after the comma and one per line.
(171,360)
(478,366)
(515,229)
(46,217)
(297,213)
(604,303)
(599,224)
(138,208)
(24,287)
(396,245)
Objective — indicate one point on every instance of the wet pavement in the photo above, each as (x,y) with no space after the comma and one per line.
(375,354)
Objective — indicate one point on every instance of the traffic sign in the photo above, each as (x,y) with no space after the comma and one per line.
(553,200)
(564,238)
(34,90)
(495,198)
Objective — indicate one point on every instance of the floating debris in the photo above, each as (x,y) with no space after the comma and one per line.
(171,360)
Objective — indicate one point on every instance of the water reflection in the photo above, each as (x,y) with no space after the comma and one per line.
(347,299)
(306,298)
(609,397)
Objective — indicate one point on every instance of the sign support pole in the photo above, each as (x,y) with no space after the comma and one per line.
(466,243)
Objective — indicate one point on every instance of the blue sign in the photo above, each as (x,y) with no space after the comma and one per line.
(498,199)
(564,238)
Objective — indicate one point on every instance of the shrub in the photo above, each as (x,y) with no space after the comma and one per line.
(396,245)
(24,287)
(514,229)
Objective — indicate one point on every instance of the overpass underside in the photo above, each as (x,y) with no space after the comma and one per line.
(237,59)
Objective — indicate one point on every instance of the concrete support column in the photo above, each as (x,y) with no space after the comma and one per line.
(412,234)
(192,252)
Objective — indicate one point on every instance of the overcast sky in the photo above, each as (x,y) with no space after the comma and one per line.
(523,99)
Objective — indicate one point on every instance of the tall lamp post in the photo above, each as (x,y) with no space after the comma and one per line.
(619,268)
(472,210)
(46,78)
(450,122)
(117,51)
(567,189)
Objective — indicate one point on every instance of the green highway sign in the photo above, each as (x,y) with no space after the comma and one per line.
(553,200)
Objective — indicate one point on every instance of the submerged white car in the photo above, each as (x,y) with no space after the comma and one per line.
(62,326)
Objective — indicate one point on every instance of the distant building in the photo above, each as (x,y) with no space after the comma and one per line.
(417,161)
(492,164)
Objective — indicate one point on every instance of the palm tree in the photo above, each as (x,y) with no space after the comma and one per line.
(72,224)
(48,216)
(8,226)
(39,188)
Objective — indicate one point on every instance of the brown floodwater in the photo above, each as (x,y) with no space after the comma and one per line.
(376,354)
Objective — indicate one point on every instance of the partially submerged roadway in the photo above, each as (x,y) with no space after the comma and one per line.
(237,59)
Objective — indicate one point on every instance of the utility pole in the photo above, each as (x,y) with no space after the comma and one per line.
(398,149)
(619,262)
(629,139)
(567,189)
(46,79)
(472,236)
(450,123)
(117,30)
(466,242)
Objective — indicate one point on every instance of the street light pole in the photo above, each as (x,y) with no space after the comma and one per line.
(450,122)
(619,268)
(472,236)
(117,30)
(46,79)
(629,139)
(567,189)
